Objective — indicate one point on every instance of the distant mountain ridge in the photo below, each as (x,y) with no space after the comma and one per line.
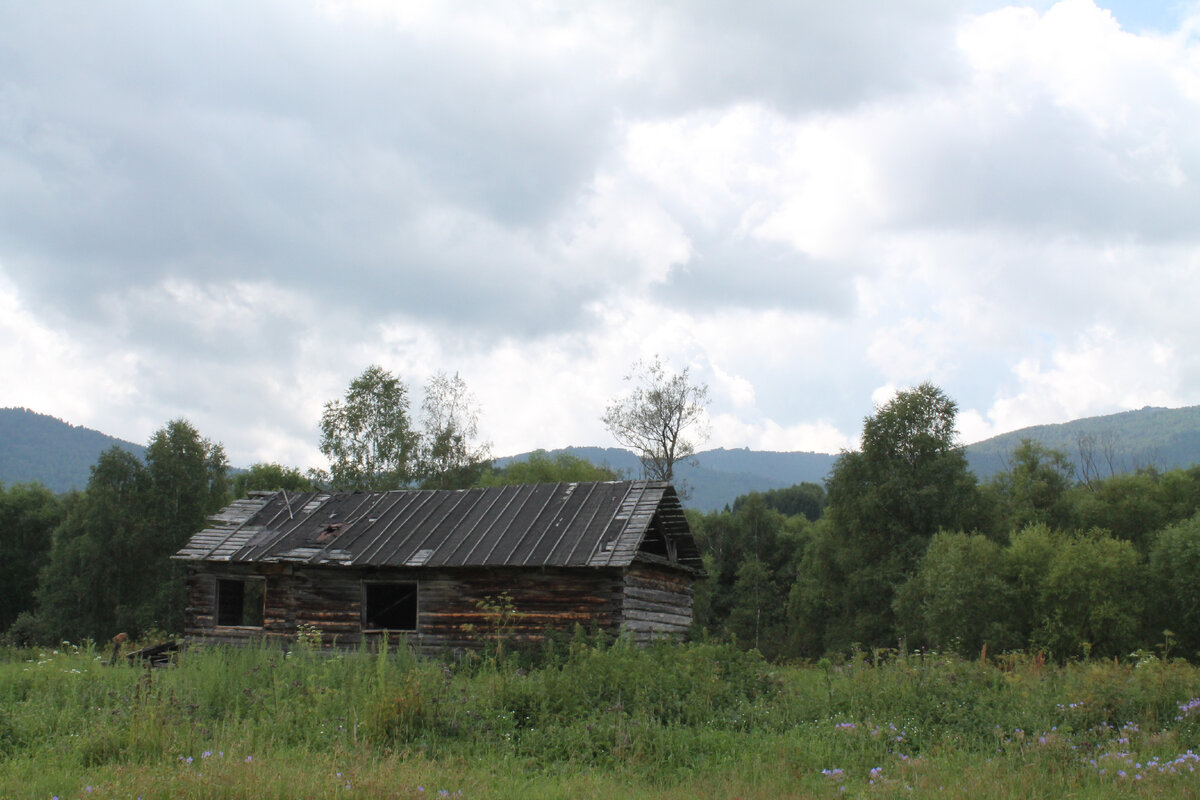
(39,448)
(1162,438)
(717,477)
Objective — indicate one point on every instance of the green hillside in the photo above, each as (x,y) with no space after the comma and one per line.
(717,477)
(38,448)
(1163,438)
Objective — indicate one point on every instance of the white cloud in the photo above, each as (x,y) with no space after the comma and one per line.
(738,390)
(1097,373)
(52,373)
(816,437)
(809,204)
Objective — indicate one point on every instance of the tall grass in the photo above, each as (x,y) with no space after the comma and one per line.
(591,719)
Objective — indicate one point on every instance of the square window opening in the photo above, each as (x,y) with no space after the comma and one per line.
(240,603)
(390,606)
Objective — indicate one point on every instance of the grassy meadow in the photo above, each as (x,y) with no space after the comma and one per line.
(587,719)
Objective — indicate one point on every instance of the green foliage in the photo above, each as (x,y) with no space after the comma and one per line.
(1099,447)
(805,498)
(755,615)
(372,444)
(541,467)
(270,477)
(188,481)
(1034,488)
(369,439)
(885,502)
(1090,598)
(1135,506)
(819,590)
(449,456)
(1175,576)
(39,448)
(96,557)
(28,515)
(959,599)
(700,720)
(1076,594)
(751,555)
(1068,595)
(109,568)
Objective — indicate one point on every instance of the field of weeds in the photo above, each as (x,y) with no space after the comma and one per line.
(587,719)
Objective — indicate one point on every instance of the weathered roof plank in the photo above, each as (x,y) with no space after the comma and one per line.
(599,524)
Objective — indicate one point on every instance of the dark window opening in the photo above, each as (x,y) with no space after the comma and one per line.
(240,602)
(390,606)
(656,542)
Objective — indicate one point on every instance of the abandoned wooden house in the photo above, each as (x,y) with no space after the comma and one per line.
(432,565)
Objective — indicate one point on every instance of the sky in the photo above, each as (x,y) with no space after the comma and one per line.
(225,211)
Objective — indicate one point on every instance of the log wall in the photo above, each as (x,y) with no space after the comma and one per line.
(448,615)
(656,602)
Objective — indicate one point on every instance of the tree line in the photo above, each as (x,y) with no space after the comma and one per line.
(94,563)
(901,547)
(909,550)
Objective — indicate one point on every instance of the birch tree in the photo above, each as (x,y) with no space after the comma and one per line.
(662,420)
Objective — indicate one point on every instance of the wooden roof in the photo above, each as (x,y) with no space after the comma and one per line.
(605,524)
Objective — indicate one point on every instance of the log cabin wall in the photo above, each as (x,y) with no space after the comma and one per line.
(448,616)
(657,602)
(613,556)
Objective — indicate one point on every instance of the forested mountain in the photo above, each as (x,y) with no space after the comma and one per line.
(1099,447)
(38,448)
(718,477)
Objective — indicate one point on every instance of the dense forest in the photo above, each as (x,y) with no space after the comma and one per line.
(902,546)
(910,550)
(38,448)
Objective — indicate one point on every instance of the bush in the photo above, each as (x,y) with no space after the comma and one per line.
(1175,576)
(26,631)
(959,598)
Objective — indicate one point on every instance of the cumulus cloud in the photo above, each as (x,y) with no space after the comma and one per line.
(227,211)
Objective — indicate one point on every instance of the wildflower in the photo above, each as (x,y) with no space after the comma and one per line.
(206,754)
(249,759)
(1188,708)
